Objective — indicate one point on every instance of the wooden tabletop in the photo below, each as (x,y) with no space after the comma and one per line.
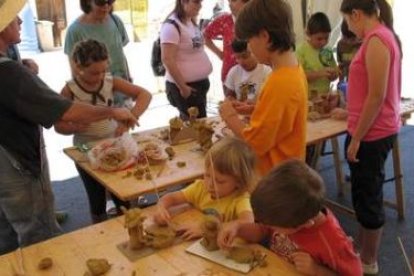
(129,188)
(165,175)
(70,252)
(320,130)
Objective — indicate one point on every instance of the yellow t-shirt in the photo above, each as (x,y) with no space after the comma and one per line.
(277,129)
(229,207)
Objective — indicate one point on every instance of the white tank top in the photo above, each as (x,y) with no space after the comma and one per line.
(104,97)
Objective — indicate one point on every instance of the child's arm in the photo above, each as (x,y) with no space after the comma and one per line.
(213,47)
(65,127)
(229,230)
(325,73)
(230,117)
(230,94)
(142,99)
(250,232)
(305,264)
(142,96)
(162,216)
(244,108)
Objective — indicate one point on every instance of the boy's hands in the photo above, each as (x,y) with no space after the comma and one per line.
(190,231)
(304,263)
(227,234)
(245,108)
(329,73)
(227,110)
(162,216)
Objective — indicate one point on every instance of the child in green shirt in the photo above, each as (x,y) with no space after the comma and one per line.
(316,59)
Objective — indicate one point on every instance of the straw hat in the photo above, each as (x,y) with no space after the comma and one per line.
(8,11)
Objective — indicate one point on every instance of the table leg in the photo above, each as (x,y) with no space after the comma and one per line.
(338,166)
(399,186)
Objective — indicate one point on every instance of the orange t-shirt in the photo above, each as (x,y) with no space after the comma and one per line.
(277,129)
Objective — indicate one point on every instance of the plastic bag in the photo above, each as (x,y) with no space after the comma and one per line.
(114,154)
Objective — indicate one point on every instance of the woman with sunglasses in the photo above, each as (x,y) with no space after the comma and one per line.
(97,22)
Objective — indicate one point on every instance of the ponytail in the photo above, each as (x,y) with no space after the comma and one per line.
(379,8)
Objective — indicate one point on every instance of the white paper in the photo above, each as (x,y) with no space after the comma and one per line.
(217,257)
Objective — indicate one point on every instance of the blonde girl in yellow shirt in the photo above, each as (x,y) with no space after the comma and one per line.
(229,175)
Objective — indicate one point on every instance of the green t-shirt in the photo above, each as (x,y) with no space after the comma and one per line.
(314,60)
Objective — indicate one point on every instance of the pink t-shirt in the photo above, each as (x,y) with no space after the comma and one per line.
(223,26)
(191,58)
(326,243)
(388,119)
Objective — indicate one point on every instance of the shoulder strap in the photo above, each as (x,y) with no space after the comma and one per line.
(4,59)
(173,22)
(117,23)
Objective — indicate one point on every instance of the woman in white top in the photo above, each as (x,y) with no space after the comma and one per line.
(184,57)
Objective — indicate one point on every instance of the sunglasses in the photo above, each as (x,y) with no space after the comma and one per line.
(103,2)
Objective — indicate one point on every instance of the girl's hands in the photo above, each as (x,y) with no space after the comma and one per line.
(162,216)
(190,231)
(352,151)
(227,234)
(304,263)
(121,129)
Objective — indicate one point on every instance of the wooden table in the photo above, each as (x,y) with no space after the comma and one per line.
(129,188)
(329,129)
(70,252)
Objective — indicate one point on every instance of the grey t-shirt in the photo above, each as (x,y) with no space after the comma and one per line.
(26,103)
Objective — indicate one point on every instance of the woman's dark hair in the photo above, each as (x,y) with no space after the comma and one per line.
(273,16)
(89,51)
(288,196)
(179,11)
(86,6)
(238,45)
(318,23)
(345,30)
(371,8)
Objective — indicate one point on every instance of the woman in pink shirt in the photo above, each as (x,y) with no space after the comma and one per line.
(373,116)
(184,57)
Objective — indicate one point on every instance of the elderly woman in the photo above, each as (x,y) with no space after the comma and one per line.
(184,57)
(97,22)
(27,105)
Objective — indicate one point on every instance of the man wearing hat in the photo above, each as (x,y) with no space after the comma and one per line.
(26,105)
